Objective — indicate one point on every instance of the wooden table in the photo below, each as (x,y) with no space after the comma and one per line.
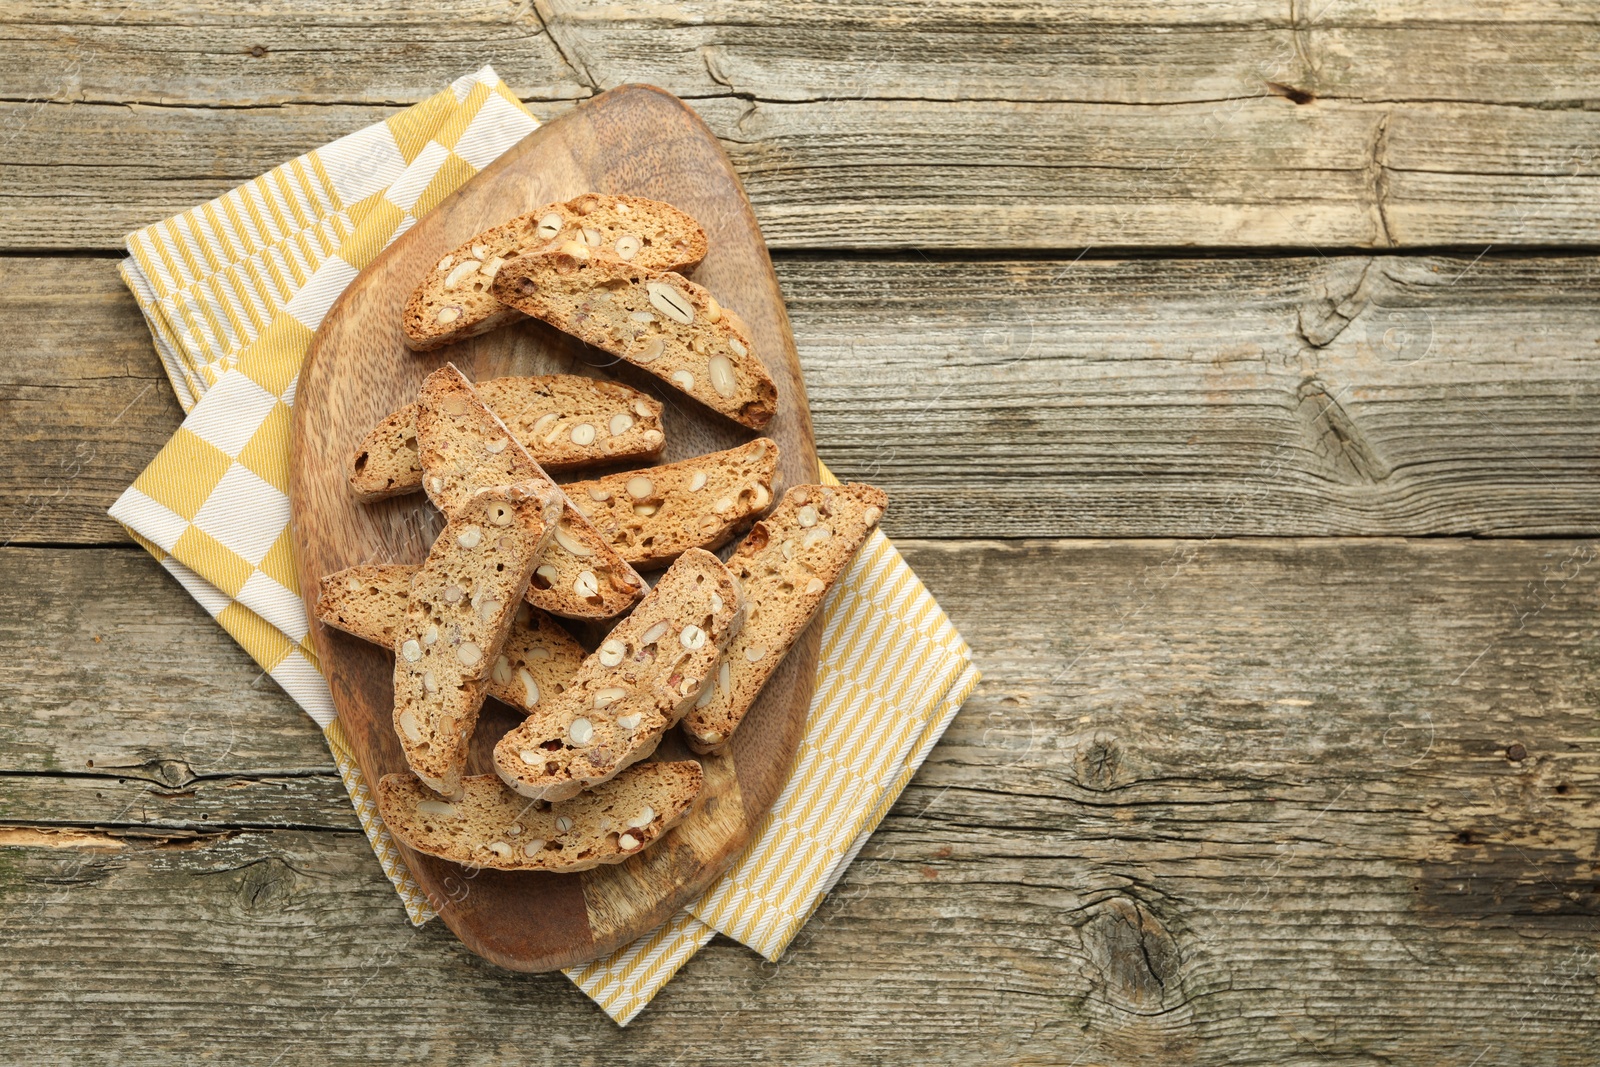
(1234,369)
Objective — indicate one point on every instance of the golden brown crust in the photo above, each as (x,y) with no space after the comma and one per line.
(490,826)
(464,447)
(462,603)
(640,681)
(565,421)
(454,302)
(659,321)
(652,516)
(785,565)
(368,601)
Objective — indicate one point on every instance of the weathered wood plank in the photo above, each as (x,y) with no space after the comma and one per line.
(1343,395)
(1222,802)
(1020,125)
(210,54)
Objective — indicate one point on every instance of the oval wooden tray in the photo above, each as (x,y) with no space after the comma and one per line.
(638,140)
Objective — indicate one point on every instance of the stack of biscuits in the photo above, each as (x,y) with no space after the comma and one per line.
(479,618)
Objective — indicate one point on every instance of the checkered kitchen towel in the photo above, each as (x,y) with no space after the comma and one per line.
(233,290)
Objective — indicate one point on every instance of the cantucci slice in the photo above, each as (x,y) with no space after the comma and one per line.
(644,676)
(651,516)
(565,421)
(656,320)
(785,565)
(460,609)
(454,301)
(536,661)
(463,448)
(490,826)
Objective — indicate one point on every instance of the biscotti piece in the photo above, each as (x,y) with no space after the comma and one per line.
(490,826)
(565,421)
(462,603)
(651,516)
(645,675)
(464,448)
(454,302)
(659,321)
(536,661)
(786,565)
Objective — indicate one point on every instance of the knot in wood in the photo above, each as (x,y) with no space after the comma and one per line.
(1098,764)
(1136,957)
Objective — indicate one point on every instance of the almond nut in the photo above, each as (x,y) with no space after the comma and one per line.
(600,495)
(629,722)
(408,725)
(670,302)
(611,652)
(546,572)
(447,315)
(499,514)
(530,688)
(738,348)
(533,848)
(683,380)
(619,424)
(628,246)
(697,481)
(583,434)
(581,731)
(627,841)
(492,267)
(572,544)
(806,516)
(500,848)
(464,268)
(692,637)
(604,698)
(639,487)
(549,226)
(652,350)
(815,586)
(437,807)
(469,654)
(411,651)
(471,537)
(754,652)
(654,634)
(502,670)
(722,379)
(872,515)
(586,585)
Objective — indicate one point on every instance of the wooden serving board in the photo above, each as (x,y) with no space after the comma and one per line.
(637,140)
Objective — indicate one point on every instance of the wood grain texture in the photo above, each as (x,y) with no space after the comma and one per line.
(1255,801)
(1306,395)
(636,141)
(888,124)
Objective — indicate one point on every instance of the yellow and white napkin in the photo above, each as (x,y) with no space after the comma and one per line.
(233,291)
